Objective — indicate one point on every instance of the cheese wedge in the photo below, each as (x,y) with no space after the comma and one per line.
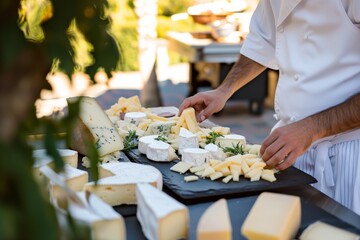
(94,126)
(187,140)
(195,156)
(274,216)
(159,151)
(145,141)
(320,230)
(134,117)
(104,222)
(118,180)
(231,141)
(215,151)
(215,223)
(160,128)
(161,217)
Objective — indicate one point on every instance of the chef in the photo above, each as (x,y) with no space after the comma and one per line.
(315,45)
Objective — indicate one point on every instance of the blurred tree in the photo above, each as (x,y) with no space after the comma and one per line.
(33,34)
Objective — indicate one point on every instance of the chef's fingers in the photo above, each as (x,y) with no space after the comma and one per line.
(190,102)
(288,161)
(277,155)
(268,142)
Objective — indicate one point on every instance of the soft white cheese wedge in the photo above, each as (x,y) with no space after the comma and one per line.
(94,126)
(321,230)
(231,140)
(145,141)
(160,152)
(187,140)
(161,217)
(74,178)
(195,156)
(103,221)
(120,188)
(215,151)
(135,117)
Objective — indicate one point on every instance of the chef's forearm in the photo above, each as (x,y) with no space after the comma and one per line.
(340,118)
(243,71)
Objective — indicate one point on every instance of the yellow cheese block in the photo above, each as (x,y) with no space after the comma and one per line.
(274,216)
(215,223)
(320,230)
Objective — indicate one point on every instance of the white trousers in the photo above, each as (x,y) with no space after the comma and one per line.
(335,163)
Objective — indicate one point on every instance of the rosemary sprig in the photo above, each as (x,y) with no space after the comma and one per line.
(235,150)
(211,138)
(130,141)
(162,138)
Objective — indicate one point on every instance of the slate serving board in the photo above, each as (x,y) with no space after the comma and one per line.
(238,210)
(205,189)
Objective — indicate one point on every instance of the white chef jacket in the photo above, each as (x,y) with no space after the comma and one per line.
(315,45)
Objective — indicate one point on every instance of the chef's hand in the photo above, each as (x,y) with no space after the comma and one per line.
(205,103)
(285,144)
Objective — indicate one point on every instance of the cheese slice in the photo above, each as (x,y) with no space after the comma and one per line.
(190,120)
(187,140)
(118,180)
(181,167)
(231,140)
(159,151)
(102,220)
(74,178)
(320,230)
(195,156)
(135,117)
(160,128)
(274,216)
(215,151)
(214,223)
(161,217)
(145,141)
(95,126)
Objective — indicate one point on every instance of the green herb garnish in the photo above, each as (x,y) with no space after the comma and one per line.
(130,141)
(235,150)
(211,138)
(162,138)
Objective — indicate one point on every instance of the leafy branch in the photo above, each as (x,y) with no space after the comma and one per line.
(235,150)
(162,138)
(211,138)
(130,140)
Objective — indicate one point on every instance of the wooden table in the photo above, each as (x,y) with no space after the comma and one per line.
(207,50)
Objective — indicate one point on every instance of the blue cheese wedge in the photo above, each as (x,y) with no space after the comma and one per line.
(94,126)
(160,128)
(160,152)
(161,217)
(187,140)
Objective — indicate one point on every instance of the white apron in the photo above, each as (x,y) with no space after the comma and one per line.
(315,44)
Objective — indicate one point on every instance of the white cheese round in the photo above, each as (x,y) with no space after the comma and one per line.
(231,141)
(134,117)
(42,158)
(187,140)
(160,152)
(195,156)
(215,151)
(145,141)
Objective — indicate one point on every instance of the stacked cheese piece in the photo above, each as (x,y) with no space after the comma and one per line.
(248,165)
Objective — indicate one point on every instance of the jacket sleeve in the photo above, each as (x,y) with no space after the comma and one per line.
(259,44)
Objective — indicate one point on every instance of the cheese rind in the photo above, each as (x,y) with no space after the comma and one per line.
(135,117)
(94,126)
(215,151)
(69,156)
(118,181)
(161,217)
(321,230)
(145,141)
(274,216)
(187,140)
(195,156)
(214,223)
(160,152)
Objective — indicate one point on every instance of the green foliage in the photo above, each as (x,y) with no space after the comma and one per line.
(235,150)
(130,141)
(211,138)
(168,8)
(162,138)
